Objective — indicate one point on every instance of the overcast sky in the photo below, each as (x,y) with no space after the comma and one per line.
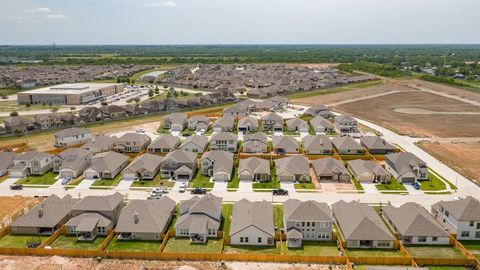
(239,21)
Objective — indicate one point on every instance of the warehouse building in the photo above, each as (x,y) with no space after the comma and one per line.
(70,94)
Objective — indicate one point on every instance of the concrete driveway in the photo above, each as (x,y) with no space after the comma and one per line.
(411,189)
(124,184)
(220,186)
(288,186)
(85,184)
(177,185)
(245,186)
(370,188)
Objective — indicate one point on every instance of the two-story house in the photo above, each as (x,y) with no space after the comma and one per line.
(461,217)
(225,141)
(179,165)
(72,162)
(218,164)
(72,136)
(31,163)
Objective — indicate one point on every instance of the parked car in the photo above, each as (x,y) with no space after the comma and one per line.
(199,191)
(16,187)
(159,190)
(154,197)
(182,188)
(140,130)
(280,191)
(416,185)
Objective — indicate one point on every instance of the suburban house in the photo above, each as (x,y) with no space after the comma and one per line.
(307,221)
(179,165)
(345,124)
(319,110)
(293,168)
(330,169)
(195,143)
(94,215)
(31,163)
(46,217)
(376,145)
(225,141)
(406,167)
(368,171)
(175,121)
(254,169)
(200,218)
(145,220)
(72,136)
(317,145)
(101,143)
(321,125)
(237,111)
(132,143)
(347,146)
(247,124)
(72,162)
(415,225)
(460,217)
(272,122)
(297,124)
(255,143)
(198,122)
(217,164)
(285,145)
(224,124)
(164,144)
(15,124)
(143,167)
(360,226)
(252,224)
(6,161)
(106,165)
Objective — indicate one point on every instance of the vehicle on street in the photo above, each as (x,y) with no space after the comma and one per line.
(159,190)
(199,191)
(280,192)
(154,197)
(16,187)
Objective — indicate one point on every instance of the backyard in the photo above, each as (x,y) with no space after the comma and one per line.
(11,240)
(184,245)
(71,242)
(434,252)
(313,248)
(136,246)
(227,210)
(473,247)
(252,249)
(278,215)
(353,252)
(48,178)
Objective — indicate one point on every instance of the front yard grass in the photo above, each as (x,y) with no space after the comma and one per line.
(71,242)
(135,246)
(313,248)
(158,181)
(308,185)
(183,245)
(278,215)
(357,184)
(108,182)
(201,181)
(272,184)
(3,178)
(227,210)
(11,240)
(433,184)
(354,252)
(473,247)
(434,252)
(234,182)
(393,184)
(253,249)
(45,179)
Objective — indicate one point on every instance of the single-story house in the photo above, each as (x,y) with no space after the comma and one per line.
(285,145)
(330,169)
(252,224)
(164,144)
(293,168)
(143,167)
(347,146)
(317,145)
(254,169)
(368,171)
(195,144)
(106,165)
(376,145)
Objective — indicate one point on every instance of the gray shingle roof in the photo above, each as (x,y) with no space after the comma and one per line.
(223,160)
(258,136)
(148,162)
(403,162)
(198,140)
(99,203)
(467,209)
(329,165)
(292,164)
(181,156)
(224,122)
(72,132)
(345,143)
(375,142)
(165,141)
(254,165)
(360,166)
(227,136)
(320,121)
(317,142)
(73,158)
(107,161)
(257,214)
(284,142)
(296,210)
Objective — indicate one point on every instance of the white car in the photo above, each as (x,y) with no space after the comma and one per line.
(140,130)
(182,188)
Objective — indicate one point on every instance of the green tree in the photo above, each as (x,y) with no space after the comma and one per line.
(14,113)
(151,93)
(27,104)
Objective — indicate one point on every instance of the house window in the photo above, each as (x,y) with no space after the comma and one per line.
(422,239)
(434,239)
(241,239)
(313,223)
(303,223)
(246,239)
(477,234)
(465,234)
(308,223)
(383,243)
(259,240)
(478,226)
(472,223)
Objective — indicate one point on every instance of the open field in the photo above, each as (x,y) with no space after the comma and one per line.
(381,110)
(458,156)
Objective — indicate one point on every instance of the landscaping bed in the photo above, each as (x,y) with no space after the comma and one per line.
(183,245)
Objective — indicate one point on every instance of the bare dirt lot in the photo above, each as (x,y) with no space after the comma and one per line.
(60,263)
(461,156)
(12,206)
(446,89)
(380,110)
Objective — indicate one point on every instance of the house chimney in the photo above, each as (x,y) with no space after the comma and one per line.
(135,217)
(40,211)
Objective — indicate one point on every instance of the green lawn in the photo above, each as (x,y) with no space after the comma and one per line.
(234,182)
(473,247)
(313,248)
(452,186)
(156,182)
(434,183)
(308,185)
(71,242)
(108,182)
(20,240)
(171,226)
(357,184)
(323,91)
(278,215)
(201,181)
(45,179)
(227,210)
(272,184)
(434,251)
(353,252)
(253,249)
(137,246)
(3,178)
(183,245)
(392,185)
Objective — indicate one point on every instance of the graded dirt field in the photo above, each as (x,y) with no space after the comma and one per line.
(461,156)
(381,110)
(14,206)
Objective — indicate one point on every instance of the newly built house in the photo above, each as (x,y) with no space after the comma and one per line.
(144,167)
(252,224)
(285,145)
(376,145)
(132,143)
(72,136)
(224,124)
(179,165)
(164,144)
(31,163)
(272,122)
(247,124)
(106,165)
(175,122)
(218,164)
(72,162)
(406,167)
(293,168)
(225,141)
(368,171)
(321,125)
(254,169)
(255,143)
(329,169)
(461,217)
(194,144)
(317,145)
(347,146)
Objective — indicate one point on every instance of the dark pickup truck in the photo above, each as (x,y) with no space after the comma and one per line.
(200,191)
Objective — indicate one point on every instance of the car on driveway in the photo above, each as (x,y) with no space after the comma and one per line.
(16,187)
(416,185)
(280,191)
(199,191)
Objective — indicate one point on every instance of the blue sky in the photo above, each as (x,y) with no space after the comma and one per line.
(239,21)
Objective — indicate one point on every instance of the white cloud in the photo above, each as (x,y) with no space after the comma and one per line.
(56,16)
(159,4)
(38,10)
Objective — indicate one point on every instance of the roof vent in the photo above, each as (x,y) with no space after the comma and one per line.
(135,217)
(40,211)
